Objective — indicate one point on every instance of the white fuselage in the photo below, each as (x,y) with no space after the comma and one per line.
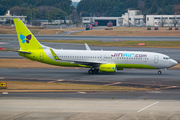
(156,60)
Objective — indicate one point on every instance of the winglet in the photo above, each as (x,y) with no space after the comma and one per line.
(87,47)
(54,55)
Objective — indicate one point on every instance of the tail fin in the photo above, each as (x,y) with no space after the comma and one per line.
(27,41)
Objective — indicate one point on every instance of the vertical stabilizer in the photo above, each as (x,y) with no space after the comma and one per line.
(27,41)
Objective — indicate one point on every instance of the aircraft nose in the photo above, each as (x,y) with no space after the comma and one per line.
(174,62)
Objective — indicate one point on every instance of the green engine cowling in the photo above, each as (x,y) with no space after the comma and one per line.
(108,68)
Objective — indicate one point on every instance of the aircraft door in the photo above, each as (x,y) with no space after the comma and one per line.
(100,58)
(156,59)
(104,58)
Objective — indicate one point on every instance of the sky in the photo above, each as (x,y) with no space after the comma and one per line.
(75,0)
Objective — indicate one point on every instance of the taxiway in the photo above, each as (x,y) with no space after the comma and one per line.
(97,38)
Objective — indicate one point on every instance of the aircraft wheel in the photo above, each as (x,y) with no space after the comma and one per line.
(96,70)
(90,71)
(159,72)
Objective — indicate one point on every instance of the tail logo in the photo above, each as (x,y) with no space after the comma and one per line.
(25,38)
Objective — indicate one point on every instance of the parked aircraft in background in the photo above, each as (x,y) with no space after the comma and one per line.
(103,61)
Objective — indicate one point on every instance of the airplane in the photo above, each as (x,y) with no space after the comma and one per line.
(97,61)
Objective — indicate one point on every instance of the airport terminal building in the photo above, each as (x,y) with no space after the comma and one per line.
(135,18)
(102,21)
(156,20)
(9,17)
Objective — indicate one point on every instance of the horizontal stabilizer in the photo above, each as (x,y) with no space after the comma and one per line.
(25,52)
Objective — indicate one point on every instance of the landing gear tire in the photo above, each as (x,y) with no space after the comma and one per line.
(90,71)
(159,72)
(96,70)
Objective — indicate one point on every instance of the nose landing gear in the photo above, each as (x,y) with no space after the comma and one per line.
(159,72)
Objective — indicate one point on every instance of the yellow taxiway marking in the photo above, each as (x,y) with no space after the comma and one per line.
(20,115)
(55,81)
(112,84)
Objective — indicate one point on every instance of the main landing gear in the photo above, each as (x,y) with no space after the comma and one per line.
(93,70)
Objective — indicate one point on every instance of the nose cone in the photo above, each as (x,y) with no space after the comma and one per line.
(174,62)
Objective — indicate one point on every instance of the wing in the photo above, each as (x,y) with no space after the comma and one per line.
(90,63)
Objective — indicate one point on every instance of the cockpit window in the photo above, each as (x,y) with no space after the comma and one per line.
(166,58)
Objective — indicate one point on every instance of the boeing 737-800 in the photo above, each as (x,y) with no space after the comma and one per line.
(103,61)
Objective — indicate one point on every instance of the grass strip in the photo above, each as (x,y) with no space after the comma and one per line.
(148,44)
(37,86)
(128,32)
(24,63)
(34,31)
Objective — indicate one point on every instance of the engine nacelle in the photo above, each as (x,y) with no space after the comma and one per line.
(108,68)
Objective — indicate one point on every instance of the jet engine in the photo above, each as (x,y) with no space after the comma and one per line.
(108,68)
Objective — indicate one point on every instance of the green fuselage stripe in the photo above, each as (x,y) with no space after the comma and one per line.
(142,66)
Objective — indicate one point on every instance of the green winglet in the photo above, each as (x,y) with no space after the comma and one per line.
(54,55)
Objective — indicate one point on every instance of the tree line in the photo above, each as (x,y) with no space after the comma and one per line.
(60,9)
(115,8)
(37,9)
